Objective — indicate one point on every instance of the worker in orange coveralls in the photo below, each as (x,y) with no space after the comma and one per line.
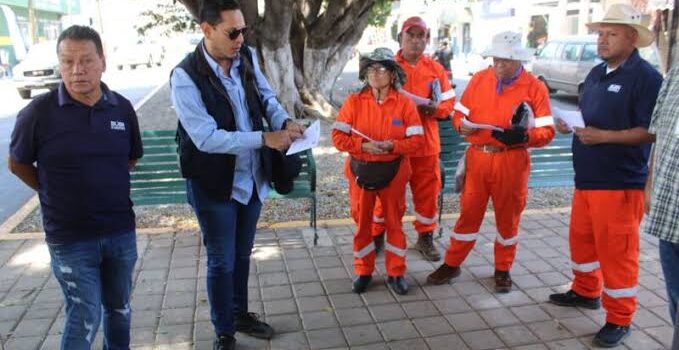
(428,86)
(497,161)
(378,127)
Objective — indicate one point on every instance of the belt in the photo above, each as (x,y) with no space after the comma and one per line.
(495,149)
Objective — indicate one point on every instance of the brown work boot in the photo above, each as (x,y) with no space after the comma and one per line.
(503,282)
(443,274)
(425,245)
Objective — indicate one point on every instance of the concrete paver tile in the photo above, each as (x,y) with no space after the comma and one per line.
(276,292)
(409,344)
(483,339)
(567,344)
(146,319)
(468,321)
(143,336)
(277,307)
(290,341)
(387,312)
(308,289)
(31,328)
(175,300)
(317,320)
(515,298)
(432,326)
(538,346)
(397,330)
(314,303)
(548,331)
(333,273)
(516,335)
(444,291)
(341,286)
(362,335)
(273,279)
(580,326)
(452,305)
(28,343)
(355,316)
(482,301)
(174,334)
(5,329)
(419,309)
(561,312)
(375,346)
(182,285)
(326,338)
(43,311)
(344,301)
(57,326)
(498,317)
(644,318)
(661,334)
(270,266)
(12,312)
(648,299)
(377,297)
(184,272)
(443,342)
(176,316)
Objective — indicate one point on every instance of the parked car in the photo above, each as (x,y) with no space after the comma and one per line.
(38,70)
(563,64)
(142,53)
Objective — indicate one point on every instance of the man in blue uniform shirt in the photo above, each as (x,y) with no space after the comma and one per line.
(221,98)
(75,146)
(610,160)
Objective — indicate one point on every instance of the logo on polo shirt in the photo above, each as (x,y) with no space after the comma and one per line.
(614,88)
(116,125)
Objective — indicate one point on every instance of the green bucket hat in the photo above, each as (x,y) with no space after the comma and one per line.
(385,57)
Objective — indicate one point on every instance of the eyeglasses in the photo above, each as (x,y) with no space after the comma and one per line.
(376,70)
(234,33)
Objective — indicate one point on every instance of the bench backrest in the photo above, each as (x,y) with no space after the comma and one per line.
(157,179)
(551,166)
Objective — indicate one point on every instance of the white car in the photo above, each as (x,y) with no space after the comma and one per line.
(39,70)
(143,53)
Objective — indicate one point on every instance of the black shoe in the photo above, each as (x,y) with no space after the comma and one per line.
(503,281)
(611,335)
(398,284)
(572,299)
(379,242)
(361,284)
(224,342)
(250,324)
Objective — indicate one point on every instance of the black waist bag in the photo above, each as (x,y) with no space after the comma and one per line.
(374,175)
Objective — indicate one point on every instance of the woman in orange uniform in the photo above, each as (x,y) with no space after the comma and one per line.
(378,127)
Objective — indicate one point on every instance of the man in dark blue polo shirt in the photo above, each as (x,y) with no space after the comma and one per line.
(75,146)
(610,159)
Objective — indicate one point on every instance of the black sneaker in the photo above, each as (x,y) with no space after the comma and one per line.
(250,324)
(572,299)
(398,284)
(224,342)
(361,284)
(379,242)
(611,335)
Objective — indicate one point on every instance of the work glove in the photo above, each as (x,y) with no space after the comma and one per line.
(514,136)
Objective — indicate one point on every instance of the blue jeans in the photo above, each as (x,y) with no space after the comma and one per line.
(228,229)
(669,259)
(95,275)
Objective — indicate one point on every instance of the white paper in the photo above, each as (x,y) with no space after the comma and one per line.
(473,125)
(310,139)
(572,118)
(419,101)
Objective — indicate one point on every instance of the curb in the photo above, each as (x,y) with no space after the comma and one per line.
(321,224)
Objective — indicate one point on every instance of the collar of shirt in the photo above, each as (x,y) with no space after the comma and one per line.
(367,93)
(629,63)
(502,83)
(235,63)
(106,96)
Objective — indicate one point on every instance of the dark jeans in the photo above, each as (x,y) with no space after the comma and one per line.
(669,259)
(93,275)
(228,229)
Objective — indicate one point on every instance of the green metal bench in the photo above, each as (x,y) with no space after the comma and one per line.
(157,179)
(551,166)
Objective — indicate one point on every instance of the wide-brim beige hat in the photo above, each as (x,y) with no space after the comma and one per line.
(507,45)
(627,15)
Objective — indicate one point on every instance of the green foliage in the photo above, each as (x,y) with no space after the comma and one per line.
(379,13)
(166,18)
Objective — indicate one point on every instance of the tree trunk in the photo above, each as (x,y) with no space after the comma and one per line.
(303,46)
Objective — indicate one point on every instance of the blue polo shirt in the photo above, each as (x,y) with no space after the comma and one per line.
(621,99)
(82,155)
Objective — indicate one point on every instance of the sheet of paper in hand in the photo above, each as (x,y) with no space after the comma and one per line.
(312,136)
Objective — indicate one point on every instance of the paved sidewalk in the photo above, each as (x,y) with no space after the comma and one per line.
(305,293)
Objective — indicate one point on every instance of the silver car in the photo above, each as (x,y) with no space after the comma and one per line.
(39,70)
(563,64)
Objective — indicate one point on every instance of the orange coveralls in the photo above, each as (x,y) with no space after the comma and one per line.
(500,175)
(395,119)
(425,180)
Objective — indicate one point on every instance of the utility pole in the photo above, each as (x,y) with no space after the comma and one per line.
(32,23)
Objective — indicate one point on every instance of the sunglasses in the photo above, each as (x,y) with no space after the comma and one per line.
(234,33)
(379,70)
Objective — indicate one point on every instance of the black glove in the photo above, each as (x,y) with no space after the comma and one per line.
(510,137)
